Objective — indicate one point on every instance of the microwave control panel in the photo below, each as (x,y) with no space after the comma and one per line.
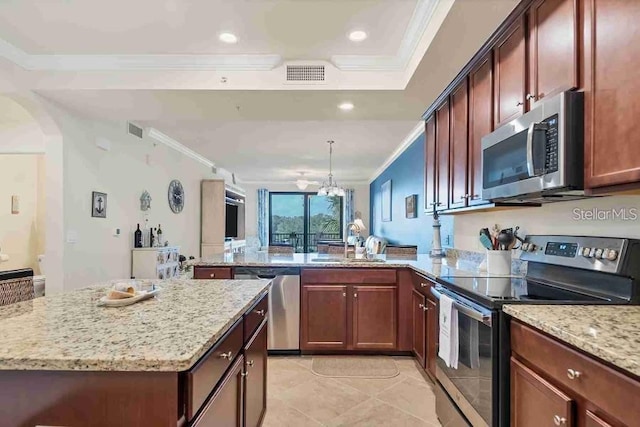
(551,162)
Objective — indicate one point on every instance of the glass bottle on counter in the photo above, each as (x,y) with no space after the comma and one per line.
(151,239)
(160,236)
(137,238)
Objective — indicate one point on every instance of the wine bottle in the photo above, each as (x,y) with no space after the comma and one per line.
(160,236)
(137,238)
(151,238)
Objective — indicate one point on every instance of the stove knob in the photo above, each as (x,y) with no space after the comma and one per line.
(592,253)
(612,255)
(531,247)
(586,252)
(599,253)
(525,247)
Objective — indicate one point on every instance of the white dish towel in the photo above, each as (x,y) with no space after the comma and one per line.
(448,332)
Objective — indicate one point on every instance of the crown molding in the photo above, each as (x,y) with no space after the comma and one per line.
(406,142)
(419,22)
(155,134)
(137,62)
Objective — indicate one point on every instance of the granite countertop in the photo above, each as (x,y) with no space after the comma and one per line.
(609,332)
(168,333)
(421,263)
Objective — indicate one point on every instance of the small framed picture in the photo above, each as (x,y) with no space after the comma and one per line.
(410,203)
(98,205)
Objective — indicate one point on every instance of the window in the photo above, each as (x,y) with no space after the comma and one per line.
(301,219)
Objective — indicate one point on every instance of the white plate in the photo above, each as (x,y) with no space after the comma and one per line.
(140,295)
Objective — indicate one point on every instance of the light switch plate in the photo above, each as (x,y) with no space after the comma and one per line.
(72,236)
(15,205)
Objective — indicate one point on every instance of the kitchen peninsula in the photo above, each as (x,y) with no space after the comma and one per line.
(180,358)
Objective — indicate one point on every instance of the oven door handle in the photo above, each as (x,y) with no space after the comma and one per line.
(467,311)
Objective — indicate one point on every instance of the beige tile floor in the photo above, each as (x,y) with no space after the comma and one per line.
(298,398)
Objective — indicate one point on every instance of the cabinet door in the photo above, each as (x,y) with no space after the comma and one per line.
(224,409)
(374,317)
(442,155)
(612,88)
(432,336)
(255,396)
(510,60)
(324,317)
(480,124)
(418,329)
(592,420)
(553,48)
(458,194)
(535,402)
(430,164)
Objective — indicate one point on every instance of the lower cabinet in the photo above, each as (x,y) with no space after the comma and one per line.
(225,408)
(432,336)
(255,395)
(425,325)
(419,321)
(348,317)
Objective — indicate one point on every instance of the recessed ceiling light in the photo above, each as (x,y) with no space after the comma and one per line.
(346,106)
(357,36)
(228,38)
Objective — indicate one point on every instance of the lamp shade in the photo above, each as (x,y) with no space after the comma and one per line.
(359,224)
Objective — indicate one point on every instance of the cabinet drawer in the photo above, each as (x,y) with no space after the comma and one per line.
(202,378)
(422,284)
(605,387)
(346,275)
(212,273)
(255,316)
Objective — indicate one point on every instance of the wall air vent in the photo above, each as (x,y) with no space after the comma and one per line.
(134,130)
(305,74)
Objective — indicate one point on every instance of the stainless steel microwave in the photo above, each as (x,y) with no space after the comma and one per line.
(538,156)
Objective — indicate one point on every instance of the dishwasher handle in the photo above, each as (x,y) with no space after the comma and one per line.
(267,276)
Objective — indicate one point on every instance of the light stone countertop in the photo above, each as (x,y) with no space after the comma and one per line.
(422,263)
(168,333)
(609,332)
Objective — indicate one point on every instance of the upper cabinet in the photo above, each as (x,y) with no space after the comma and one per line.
(430,164)
(442,156)
(458,194)
(480,124)
(510,66)
(553,48)
(612,92)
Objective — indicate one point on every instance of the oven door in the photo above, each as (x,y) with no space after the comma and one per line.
(472,385)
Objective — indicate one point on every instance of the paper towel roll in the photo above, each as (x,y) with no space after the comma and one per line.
(4,257)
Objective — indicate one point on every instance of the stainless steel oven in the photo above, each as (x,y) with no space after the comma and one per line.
(538,155)
(471,386)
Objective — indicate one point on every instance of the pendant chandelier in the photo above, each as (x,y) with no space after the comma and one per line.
(331,187)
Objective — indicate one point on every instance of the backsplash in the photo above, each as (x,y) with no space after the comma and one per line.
(470,260)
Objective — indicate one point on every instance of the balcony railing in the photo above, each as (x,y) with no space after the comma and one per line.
(297,240)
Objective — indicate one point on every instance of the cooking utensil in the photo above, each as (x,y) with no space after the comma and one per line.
(505,239)
(495,230)
(486,241)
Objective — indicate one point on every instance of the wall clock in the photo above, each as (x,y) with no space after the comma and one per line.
(176,196)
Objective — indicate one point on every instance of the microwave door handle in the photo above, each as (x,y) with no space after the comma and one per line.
(530,167)
(475,315)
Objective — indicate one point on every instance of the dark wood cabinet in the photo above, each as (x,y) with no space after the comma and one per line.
(535,402)
(480,124)
(430,164)
(592,420)
(510,66)
(224,409)
(458,194)
(431,353)
(255,396)
(211,273)
(374,317)
(553,48)
(419,322)
(442,156)
(612,88)
(324,317)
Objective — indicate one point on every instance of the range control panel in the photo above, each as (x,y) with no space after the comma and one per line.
(590,253)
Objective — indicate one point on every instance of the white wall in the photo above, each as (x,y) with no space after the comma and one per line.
(361,199)
(22,235)
(130,167)
(555,218)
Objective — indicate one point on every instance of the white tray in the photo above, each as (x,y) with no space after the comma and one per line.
(140,296)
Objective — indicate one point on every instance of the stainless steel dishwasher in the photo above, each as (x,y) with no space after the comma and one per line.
(284,305)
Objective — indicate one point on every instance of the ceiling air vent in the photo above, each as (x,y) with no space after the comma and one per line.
(305,73)
(135,130)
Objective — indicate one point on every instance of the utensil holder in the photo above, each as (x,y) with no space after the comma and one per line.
(499,262)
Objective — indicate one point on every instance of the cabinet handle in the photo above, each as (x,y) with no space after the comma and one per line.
(246,374)
(475,196)
(423,285)
(227,355)
(212,275)
(425,308)
(573,374)
(520,103)
(355,295)
(531,96)
(250,363)
(344,294)
(420,305)
(558,420)
(259,312)
(466,196)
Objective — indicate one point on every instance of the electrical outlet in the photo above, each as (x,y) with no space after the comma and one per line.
(447,240)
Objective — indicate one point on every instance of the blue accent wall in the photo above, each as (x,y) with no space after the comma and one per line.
(407,177)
